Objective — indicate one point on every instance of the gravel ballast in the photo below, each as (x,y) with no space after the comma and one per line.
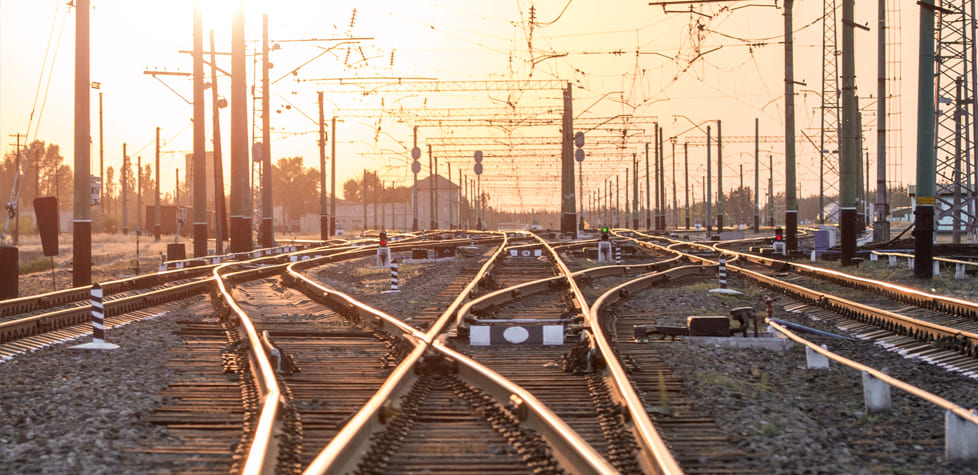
(84,411)
(791,419)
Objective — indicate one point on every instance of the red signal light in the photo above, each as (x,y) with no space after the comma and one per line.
(383,243)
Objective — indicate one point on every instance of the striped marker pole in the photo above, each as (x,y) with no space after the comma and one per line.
(394,283)
(617,254)
(98,323)
(722,272)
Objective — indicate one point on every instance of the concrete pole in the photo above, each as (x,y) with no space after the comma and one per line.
(431,192)
(720,176)
(240,163)
(617,202)
(220,209)
(267,208)
(363,196)
(881,227)
(675,204)
(332,179)
(686,180)
(156,210)
(568,221)
(757,179)
(82,224)
(434,184)
(849,166)
(628,212)
(635,190)
(770,190)
(790,197)
(656,172)
(708,194)
(323,214)
(414,193)
(662,182)
(125,191)
(200,142)
(926,171)
(648,189)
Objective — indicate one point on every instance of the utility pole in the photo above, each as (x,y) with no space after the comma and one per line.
(757,178)
(648,189)
(634,190)
(415,168)
(568,222)
(434,183)
(82,229)
(662,182)
(323,216)
(720,176)
(156,211)
(200,142)
(686,180)
(125,191)
(628,211)
(431,192)
(708,193)
(18,180)
(268,210)
(790,196)
(675,204)
(617,201)
(332,180)
(364,196)
(240,164)
(139,194)
(656,171)
(220,211)
(849,165)
(770,191)
(881,226)
(926,162)
(101,149)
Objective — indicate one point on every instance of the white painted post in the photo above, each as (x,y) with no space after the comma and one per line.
(893,261)
(876,393)
(873,257)
(815,359)
(960,437)
(813,255)
(959,271)
(937,268)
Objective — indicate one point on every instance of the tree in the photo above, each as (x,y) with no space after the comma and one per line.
(294,187)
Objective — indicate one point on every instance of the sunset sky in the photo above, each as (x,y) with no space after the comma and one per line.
(737,76)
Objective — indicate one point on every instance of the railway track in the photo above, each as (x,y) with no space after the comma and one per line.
(408,389)
(939,329)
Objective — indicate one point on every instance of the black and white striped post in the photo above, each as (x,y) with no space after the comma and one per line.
(722,273)
(394,281)
(98,324)
(617,254)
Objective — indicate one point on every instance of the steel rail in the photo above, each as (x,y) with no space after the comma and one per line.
(948,406)
(964,342)
(262,453)
(655,456)
(508,294)
(570,449)
(32,303)
(636,408)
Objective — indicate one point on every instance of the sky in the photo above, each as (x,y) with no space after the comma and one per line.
(682,70)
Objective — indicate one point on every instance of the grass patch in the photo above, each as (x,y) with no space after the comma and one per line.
(37,264)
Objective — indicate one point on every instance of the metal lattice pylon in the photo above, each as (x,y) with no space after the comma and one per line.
(954,140)
(829,143)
